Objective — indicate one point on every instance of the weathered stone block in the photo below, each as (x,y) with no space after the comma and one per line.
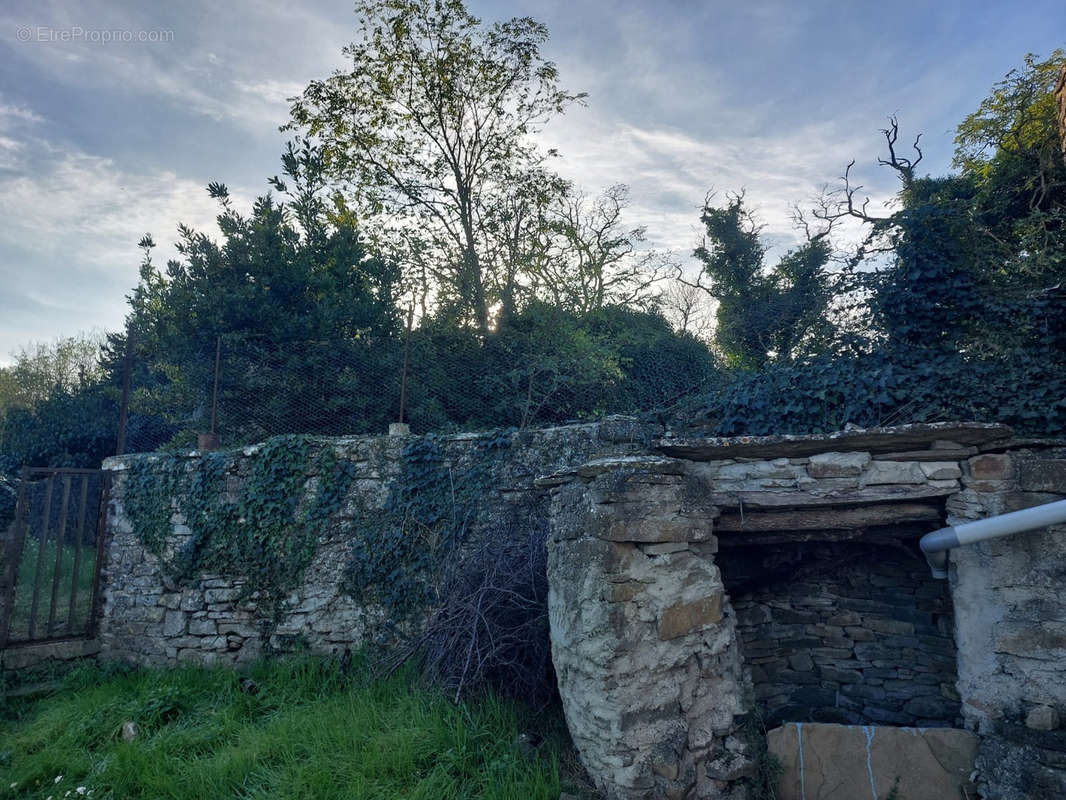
(941,470)
(174,623)
(624,592)
(1042,718)
(1042,475)
(991,467)
(801,662)
(837,465)
(929,707)
(685,618)
(202,627)
(219,596)
(886,472)
(664,549)
(836,675)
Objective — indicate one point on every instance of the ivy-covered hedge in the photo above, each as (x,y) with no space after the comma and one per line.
(827,393)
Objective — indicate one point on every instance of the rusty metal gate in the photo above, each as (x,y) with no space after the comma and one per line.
(52,556)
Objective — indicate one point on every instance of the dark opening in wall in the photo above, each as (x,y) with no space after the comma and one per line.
(852,632)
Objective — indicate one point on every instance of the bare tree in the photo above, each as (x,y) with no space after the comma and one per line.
(840,203)
(591,259)
(688,309)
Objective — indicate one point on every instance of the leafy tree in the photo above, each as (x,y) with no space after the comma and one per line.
(976,260)
(763,315)
(551,366)
(297,300)
(1011,152)
(55,411)
(431,127)
(42,368)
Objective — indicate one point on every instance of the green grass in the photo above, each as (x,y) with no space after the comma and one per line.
(27,570)
(309,732)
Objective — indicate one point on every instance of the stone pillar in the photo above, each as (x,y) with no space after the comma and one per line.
(643,636)
(1010,618)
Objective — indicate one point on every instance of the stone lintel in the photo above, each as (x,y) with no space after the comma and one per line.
(651,465)
(873,440)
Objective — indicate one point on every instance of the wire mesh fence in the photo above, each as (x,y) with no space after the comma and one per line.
(246,389)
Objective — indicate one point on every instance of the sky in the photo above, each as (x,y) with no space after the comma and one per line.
(114,116)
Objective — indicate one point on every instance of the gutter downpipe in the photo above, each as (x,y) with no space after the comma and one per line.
(936,544)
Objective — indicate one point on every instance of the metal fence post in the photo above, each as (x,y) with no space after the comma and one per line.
(406,358)
(124,408)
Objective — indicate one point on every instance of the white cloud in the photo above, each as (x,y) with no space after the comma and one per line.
(670,171)
(12,113)
(72,223)
(271,91)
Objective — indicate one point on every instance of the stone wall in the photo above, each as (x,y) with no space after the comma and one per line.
(691,578)
(859,634)
(1011,625)
(643,637)
(814,537)
(148,618)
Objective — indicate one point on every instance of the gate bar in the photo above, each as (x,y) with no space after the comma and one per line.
(57,572)
(42,541)
(15,554)
(79,543)
(101,530)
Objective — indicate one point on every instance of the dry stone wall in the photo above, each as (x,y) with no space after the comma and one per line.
(863,634)
(149,618)
(1011,625)
(877,635)
(643,638)
(691,579)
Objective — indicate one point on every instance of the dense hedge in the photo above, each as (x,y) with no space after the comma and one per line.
(1026,391)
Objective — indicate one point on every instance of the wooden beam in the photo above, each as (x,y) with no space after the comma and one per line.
(954,454)
(830,518)
(857,496)
(897,538)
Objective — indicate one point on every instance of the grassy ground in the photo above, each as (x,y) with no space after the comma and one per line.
(311,731)
(19,626)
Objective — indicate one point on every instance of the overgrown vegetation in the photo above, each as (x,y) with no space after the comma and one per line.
(265,532)
(952,307)
(464,593)
(475,584)
(431,509)
(310,729)
(534,305)
(765,778)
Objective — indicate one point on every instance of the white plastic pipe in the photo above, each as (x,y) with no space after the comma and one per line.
(936,544)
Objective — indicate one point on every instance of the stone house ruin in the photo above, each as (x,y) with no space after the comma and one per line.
(697,584)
